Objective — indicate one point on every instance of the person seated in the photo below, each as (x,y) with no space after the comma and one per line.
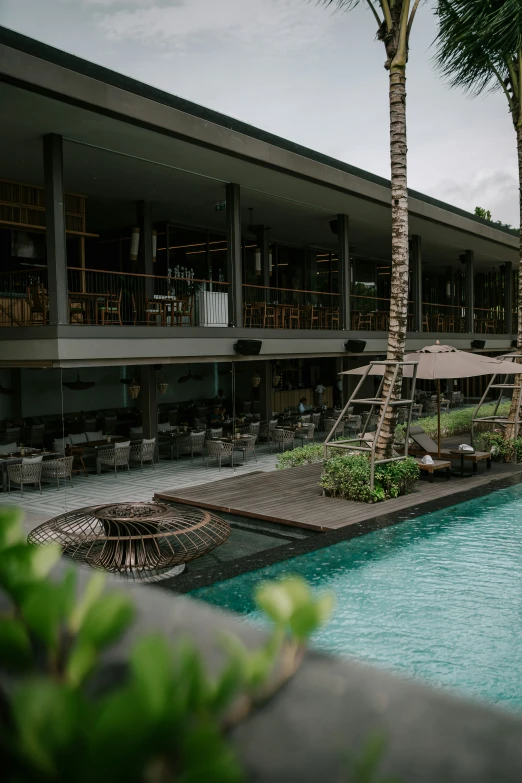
(301,408)
(216,417)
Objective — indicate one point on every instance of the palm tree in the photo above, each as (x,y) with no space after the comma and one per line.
(394,20)
(479,49)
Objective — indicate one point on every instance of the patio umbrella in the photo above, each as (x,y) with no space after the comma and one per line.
(440,362)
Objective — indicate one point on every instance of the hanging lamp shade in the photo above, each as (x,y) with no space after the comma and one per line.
(154,245)
(79,385)
(134,243)
(162,387)
(276,377)
(134,389)
(256,379)
(257,256)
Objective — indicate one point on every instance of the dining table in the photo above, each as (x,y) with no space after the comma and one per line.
(92,303)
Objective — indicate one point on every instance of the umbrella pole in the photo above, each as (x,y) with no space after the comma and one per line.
(438,416)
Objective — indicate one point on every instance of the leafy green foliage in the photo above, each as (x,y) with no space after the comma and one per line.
(165,719)
(348,477)
(304,455)
(502,450)
(455,422)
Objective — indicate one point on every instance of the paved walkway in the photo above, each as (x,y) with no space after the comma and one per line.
(107,488)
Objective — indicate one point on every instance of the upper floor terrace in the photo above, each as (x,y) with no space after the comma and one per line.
(151,220)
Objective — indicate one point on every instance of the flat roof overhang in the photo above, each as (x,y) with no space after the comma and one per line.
(114,115)
(82,346)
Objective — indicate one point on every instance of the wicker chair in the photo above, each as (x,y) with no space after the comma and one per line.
(282,438)
(29,471)
(116,457)
(192,444)
(246,444)
(329,425)
(215,433)
(220,450)
(143,452)
(253,428)
(307,432)
(57,469)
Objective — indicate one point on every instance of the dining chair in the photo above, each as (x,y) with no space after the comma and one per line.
(77,310)
(143,452)
(147,310)
(181,309)
(194,443)
(425,323)
(310,317)
(365,321)
(246,444)
(329,425)
(220,450)
(29,471)
(62,467)
(332,317)
(307,432)
(115,457)
(283,438)
(110,309)
(38,304)
(294,317)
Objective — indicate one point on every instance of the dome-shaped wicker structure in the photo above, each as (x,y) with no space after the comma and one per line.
(143,541)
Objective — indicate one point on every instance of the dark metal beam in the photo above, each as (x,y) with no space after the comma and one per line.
(149,403)
(344,267)
(469,300)
(508,298)
(416,266)
(234,277)
(55,229)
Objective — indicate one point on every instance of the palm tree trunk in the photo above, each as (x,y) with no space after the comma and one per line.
(512,429)
(400,255)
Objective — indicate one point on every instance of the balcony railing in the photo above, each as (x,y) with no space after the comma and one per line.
(97,297)
(288,308)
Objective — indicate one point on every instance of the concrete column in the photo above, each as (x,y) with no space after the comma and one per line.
(469,299)
(343,250)
(508,297)
(416,265)
(149,403)
(265,390)
(55,229)
(234,276)
(146,265)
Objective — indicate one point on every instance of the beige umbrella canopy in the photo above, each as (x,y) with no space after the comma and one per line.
(440,362)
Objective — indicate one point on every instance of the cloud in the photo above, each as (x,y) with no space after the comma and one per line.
(274,24)
(496,191)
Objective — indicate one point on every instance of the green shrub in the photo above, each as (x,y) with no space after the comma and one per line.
(502,450)
(456,422)
(304,455)
(163,717)
(348,477)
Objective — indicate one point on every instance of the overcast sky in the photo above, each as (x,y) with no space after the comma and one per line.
(300,71)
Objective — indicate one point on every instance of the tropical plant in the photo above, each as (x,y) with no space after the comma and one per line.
(456,422)
(479,48)
(483,213)
(348,477)
(394,20)
(304,455)
(501,449)
(159,717)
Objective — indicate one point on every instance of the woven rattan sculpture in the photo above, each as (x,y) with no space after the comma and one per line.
(142,541)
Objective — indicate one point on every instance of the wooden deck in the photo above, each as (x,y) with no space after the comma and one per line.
(293,497)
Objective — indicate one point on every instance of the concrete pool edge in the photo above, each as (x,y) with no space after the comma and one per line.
(194,579)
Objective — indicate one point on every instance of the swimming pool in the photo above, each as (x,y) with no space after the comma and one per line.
(438,597)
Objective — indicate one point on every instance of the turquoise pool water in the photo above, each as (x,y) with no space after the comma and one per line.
(438,597)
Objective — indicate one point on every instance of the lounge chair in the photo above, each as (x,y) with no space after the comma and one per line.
(423,444)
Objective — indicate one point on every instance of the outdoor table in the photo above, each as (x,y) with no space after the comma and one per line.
(91,303)
(174,438)
(461,454)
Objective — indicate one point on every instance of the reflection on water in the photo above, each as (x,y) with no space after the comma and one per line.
(438,597)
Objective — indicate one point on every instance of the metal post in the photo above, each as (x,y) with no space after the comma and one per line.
(55,229)
(470,292)
(265,391)
(234,277)
(345,275)
(508,298)
(144,214)
(416,265)
(149,404)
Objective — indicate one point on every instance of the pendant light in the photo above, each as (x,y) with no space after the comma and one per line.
(270,262)
(276,377)
(154,245)
(78,385)
(256,379)
(134,389)
(257,255)
(162,384)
